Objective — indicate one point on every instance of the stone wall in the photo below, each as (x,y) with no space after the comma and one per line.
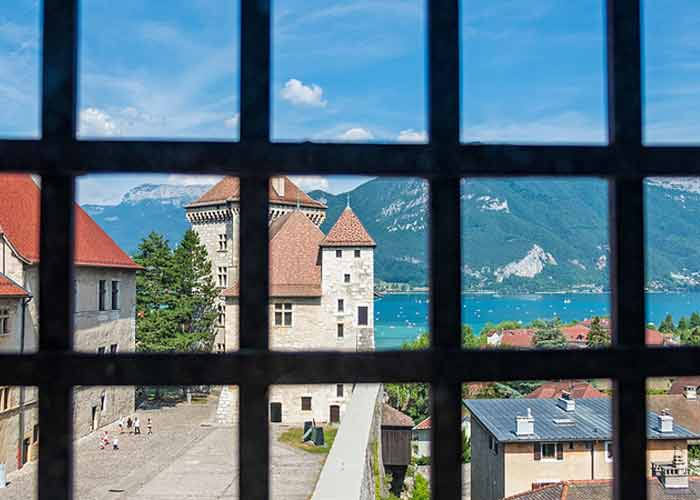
(9,428)
(349,472)
(323,396)
(119,401)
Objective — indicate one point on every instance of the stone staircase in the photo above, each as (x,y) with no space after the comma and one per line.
(227,408)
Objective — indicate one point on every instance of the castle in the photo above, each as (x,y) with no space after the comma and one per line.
(321,285)
(104,317)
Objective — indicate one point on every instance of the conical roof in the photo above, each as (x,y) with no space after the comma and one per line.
(348,231)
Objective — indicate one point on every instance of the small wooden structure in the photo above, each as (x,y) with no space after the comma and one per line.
(396,445)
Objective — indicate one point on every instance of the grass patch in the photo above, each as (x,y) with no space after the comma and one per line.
(293,437)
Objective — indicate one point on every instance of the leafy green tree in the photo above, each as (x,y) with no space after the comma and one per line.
(195,296)
(421,488)
(471,341)
(667,326)
(695,320)
(598,336)
(412,399)
(503,325)
(466,449)
(693,337)
(550,336)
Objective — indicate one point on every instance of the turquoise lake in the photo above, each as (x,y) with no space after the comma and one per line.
(399,318)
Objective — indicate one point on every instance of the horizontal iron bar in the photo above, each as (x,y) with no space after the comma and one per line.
(266,368)
(420,160)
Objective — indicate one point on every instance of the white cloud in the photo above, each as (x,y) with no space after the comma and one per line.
(233,121)
(310,182)
(410,135)
(356,134)
(95,122)
(297,93)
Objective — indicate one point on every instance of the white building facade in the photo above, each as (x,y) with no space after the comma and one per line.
(321,286)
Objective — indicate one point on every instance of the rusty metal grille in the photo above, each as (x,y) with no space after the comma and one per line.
(59,157)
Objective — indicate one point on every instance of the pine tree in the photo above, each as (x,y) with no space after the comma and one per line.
(195,296)
(598,336)
(154,294)
(667,325)
(682,324)
(550,336)
(695,320)
(693,337)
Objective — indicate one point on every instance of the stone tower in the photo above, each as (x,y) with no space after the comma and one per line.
(347,263)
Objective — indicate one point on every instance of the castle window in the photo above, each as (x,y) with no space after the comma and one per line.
(608,452)
(222,276)
(101,295)
(113,348)
(346,278)
(340,330)
(341,305)
(283,314)
(4,398)
(306,403)
(339,253)
(100,350)
(4,321)
(221,320)
(363,315)
(339,389)
(115,295)
(357,254)
(223,243)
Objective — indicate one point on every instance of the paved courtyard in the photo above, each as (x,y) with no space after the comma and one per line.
(186,458)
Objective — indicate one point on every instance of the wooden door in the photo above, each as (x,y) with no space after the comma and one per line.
(335,414)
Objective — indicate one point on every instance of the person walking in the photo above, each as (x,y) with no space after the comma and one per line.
(149,425)
(120,424)
(137,425)
(115,443)
(129,424)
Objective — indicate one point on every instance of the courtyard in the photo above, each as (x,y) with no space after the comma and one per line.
(186,457)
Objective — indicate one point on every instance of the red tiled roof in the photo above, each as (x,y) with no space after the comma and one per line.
(229,189)
(601,489)
(295,267)
(423,425)
(681,382)
(348,231)
(654,337)
(9,288)
(391,417)
(577,389)
(576,333)
(20,201)
(518,337)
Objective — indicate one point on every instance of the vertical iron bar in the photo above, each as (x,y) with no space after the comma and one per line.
(445,319)
(445,256)
(58,120)
(254,280)
(626,201)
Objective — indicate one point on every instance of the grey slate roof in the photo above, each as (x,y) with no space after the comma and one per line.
(602,490)
(592,420)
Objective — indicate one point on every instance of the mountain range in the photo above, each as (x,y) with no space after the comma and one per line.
(518,235)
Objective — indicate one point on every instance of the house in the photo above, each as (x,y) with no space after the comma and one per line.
(104,317)
(396,445)
(577,389)
(685,385)
(524,444)
(657,489)
(422,434)
(321,286)
(685,408)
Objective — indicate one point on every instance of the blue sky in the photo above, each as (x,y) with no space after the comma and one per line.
(350,70)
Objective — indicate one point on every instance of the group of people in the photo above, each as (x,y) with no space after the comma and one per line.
(124,424)
(135,423)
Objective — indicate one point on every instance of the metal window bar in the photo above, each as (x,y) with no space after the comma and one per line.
(58,157)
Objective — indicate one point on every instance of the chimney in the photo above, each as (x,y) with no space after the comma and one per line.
(665,421)
(690,392)
(673,475)
(565,402)
(525,425)
(278,185)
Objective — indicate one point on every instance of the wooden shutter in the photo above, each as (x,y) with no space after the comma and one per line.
(560,451)
(538,451)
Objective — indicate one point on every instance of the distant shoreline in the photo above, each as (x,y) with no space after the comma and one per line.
(520,294)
